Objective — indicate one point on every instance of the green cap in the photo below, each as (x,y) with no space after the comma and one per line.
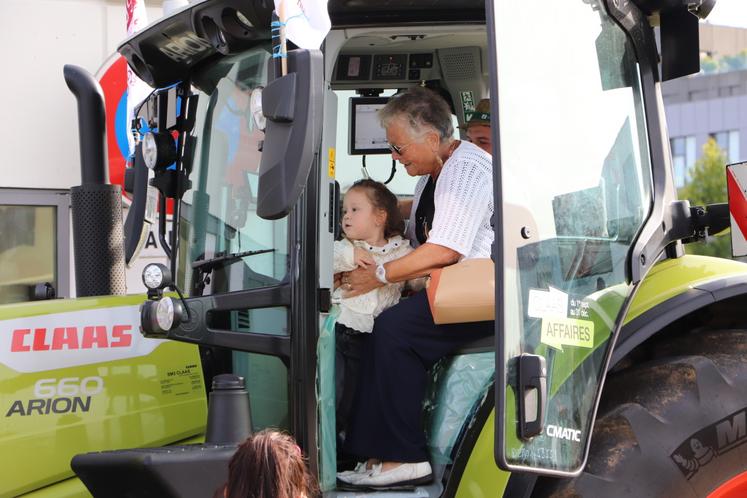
(480,116)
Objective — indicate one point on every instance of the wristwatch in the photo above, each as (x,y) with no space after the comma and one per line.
(381,274)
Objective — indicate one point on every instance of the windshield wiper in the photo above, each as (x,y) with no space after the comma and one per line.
(206,266)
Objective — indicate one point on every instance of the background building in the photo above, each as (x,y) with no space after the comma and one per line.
(712,104)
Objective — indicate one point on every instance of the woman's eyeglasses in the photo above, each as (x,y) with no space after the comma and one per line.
(398,148)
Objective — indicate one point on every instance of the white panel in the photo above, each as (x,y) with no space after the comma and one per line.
(734,146)
(40,122)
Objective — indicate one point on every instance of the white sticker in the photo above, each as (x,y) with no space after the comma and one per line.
(552,303)
(61,340)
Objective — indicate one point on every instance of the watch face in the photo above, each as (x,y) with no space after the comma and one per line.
(381,273)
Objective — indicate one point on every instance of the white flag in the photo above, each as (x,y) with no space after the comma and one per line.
(306,21)
(137,90)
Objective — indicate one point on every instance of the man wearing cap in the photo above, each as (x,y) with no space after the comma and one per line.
(478,126)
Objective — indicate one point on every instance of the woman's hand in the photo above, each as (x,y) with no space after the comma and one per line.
(360,281)
(336,280)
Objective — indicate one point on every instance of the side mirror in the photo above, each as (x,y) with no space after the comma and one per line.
(140,215)
(293,105)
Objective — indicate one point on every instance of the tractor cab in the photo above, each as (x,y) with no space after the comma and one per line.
(583,195)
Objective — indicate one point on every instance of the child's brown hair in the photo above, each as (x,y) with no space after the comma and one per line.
(383,198)
(269,464)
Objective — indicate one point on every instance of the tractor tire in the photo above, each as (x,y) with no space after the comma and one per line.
(674,426)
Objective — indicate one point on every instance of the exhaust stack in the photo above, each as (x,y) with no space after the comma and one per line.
(98,237)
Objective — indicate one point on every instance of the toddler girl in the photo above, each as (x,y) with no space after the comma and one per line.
(373,228)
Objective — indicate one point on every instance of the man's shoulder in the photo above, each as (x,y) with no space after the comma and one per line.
(469,149)
(468,156)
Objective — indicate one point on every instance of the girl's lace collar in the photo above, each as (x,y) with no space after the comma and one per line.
(393,243)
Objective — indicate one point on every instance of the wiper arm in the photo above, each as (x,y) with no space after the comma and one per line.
(203,268)
(208,265)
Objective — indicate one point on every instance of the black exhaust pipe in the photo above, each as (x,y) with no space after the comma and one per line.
(98,238)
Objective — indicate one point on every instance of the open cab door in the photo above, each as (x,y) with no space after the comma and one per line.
(575,194)
(246,137)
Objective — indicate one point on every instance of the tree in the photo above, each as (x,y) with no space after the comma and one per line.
(735,62)
(708,64)
(708,186)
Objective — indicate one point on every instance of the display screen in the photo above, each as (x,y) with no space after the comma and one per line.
(366,134)
(390,67)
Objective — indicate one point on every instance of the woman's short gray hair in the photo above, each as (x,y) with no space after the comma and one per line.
(422,109)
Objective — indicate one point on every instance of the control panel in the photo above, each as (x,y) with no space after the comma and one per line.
(384,67)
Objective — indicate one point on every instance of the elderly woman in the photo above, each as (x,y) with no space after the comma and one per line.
(449,221)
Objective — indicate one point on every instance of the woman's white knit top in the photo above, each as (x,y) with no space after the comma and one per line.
(359,312)
(463,200)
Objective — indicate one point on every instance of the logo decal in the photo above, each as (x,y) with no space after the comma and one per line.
(563,433)
(57,396)
(61,340)
(702,447)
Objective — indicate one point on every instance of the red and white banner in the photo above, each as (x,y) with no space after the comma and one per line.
(306,22)
(736,183)
(137,90)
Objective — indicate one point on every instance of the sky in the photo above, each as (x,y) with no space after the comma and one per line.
(729,13)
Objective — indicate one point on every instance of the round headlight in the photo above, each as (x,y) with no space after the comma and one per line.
(165,313)
(156,276)
(255,107)
(158,317)
(150,150)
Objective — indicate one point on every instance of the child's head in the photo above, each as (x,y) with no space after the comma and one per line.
(370,210)
(269,464)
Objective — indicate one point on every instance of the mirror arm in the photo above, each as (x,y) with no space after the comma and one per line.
(708,220)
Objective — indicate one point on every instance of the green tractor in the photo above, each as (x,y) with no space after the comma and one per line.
(617,366)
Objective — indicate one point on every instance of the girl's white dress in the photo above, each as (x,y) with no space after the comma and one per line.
(359,312)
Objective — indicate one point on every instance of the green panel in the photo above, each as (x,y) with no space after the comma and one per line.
(666,280)
(672,277)
(65,393)
(481,477)
(37,308)
(69,488)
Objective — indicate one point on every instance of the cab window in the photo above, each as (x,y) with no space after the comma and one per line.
(34,243)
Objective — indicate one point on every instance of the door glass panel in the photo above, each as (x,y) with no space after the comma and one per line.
(27,250)
(576,190)
(266,380)
(219,215)
(219,218)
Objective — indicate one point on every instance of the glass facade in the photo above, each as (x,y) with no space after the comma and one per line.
(683,158)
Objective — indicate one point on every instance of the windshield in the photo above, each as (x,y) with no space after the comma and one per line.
(576,190)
